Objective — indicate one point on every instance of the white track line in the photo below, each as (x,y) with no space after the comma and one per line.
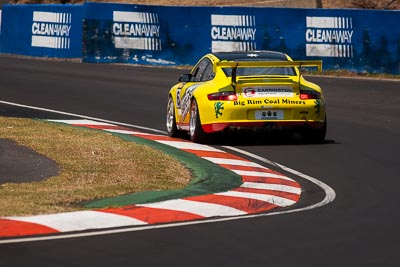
(330,194)
(81,116)
(83,122)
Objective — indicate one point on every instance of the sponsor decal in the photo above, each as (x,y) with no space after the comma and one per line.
(329,37)
(136,30)
(233,33)
(239,103)
(272,101)
(293,102)
(269,102)
(249,92)
(254,102)
(185,100)
(218,107)
(317,107)
(51,30)
(261,91)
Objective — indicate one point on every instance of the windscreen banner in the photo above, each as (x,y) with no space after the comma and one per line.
(42,30)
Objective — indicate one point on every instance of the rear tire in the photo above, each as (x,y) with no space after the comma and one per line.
(316,135)
(196,131)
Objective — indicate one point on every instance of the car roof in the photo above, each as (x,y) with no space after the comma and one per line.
(251,56)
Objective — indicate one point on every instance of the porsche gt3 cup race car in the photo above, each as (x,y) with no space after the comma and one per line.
(245,90)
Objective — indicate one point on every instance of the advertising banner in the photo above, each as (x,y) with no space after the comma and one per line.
(42,30)
(343,39)
(144,34)
(357,40)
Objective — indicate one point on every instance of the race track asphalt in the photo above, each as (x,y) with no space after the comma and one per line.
(359,161)
(19,164)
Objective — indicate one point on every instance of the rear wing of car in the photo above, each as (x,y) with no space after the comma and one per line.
(267,64)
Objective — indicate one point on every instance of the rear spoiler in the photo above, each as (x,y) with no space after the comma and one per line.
(267,64)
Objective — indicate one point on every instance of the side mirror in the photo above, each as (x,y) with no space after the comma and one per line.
(185,78)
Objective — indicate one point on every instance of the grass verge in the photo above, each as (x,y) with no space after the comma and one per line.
(93,165)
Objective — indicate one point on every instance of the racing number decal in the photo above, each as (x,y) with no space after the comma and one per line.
(178,97)
(183,103)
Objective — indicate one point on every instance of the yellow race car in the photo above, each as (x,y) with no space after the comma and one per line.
(246,90)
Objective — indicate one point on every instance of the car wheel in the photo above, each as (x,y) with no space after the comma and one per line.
(196,132)
(171,120)
(316,136)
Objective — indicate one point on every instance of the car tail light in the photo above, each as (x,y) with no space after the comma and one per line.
(309,94)
(227,95)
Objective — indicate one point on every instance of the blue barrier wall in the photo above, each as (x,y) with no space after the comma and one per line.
(42,30)
(358,40)
(144,34)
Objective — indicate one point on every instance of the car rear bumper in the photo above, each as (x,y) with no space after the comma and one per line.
(218,127)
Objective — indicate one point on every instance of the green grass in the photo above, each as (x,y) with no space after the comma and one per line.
(93,165)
